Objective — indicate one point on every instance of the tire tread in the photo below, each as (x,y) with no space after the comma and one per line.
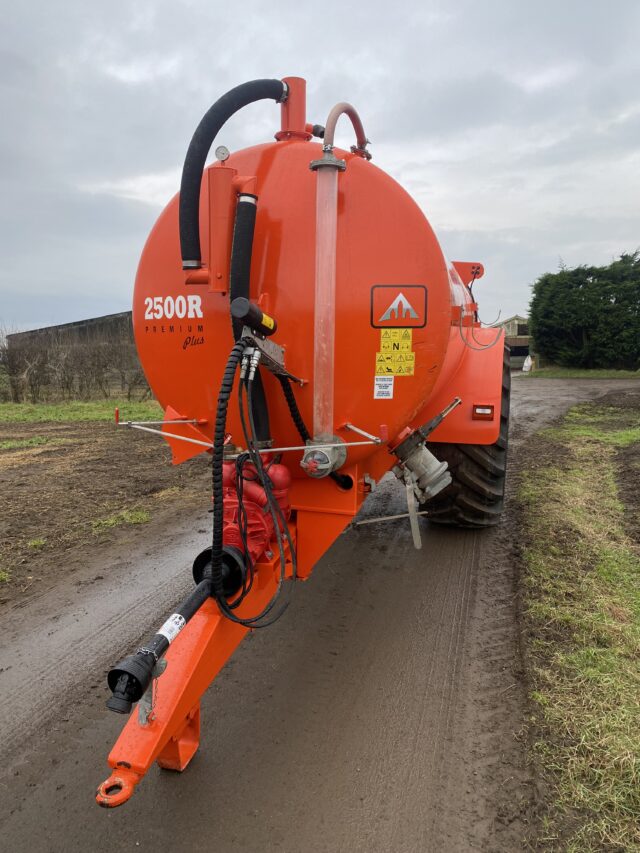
(475,497)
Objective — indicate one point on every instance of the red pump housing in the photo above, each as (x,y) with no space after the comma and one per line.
(260,526)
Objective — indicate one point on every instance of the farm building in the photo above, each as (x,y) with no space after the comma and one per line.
(516,330)
(109,326)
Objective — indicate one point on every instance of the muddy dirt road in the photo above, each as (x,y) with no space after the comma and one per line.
(382,713)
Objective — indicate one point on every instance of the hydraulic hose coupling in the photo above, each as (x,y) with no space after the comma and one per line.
(253,364)
(244,367)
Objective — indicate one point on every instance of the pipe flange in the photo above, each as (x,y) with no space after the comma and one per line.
(329,160)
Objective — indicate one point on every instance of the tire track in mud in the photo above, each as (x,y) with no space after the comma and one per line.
(76,632)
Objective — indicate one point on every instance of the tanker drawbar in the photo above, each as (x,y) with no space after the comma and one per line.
(297,320)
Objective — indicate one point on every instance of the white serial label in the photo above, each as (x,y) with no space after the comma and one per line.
(383,387)
(172,627)
(159,307)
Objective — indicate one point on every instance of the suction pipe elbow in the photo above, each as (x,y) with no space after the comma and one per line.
(343,108)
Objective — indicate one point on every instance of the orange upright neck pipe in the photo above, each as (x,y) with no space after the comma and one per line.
(294,110)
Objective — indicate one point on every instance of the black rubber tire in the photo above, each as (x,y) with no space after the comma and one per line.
(475,497)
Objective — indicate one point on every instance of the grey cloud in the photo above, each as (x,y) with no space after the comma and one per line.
(473,106)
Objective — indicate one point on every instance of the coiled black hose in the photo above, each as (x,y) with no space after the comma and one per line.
(265,617)
(201,142)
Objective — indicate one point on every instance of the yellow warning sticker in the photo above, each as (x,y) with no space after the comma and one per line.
(395,335)
(396,357)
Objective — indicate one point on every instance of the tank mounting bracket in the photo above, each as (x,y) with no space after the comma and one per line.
(272,355)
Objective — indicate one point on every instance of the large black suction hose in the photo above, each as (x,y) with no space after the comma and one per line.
(239,279)
(241,251)
(201,142)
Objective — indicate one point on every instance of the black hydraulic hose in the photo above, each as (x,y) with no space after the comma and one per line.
(260,410)
(260,620)
(239,281)
(296,417)
(201,142)
(216,467)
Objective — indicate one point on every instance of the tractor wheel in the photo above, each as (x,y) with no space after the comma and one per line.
(475,497)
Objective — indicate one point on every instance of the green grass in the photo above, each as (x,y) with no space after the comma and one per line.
(34,441)
(582,607)
(36,543)
(599,424)
(4,576)
(96,410)
(581,373)
(20,443)
(125,516)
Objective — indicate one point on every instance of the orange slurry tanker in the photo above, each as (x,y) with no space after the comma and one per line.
(297,320)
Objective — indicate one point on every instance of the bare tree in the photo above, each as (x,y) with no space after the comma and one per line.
(6,388)
(63,371)
(84,361)
(24,364)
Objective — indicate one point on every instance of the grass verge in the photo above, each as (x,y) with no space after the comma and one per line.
(21,443)
(581,603)
(125,516)
(95,410)
(580,373)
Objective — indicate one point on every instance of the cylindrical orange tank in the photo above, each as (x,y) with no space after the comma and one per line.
(395,298)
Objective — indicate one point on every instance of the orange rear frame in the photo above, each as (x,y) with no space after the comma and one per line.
(172,734)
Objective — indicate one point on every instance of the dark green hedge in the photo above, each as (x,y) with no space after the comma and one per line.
(589,316)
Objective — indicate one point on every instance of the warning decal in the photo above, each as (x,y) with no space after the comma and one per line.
(396,356)
(172,627)
(383,388)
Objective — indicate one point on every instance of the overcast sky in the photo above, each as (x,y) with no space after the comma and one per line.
(515,125)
